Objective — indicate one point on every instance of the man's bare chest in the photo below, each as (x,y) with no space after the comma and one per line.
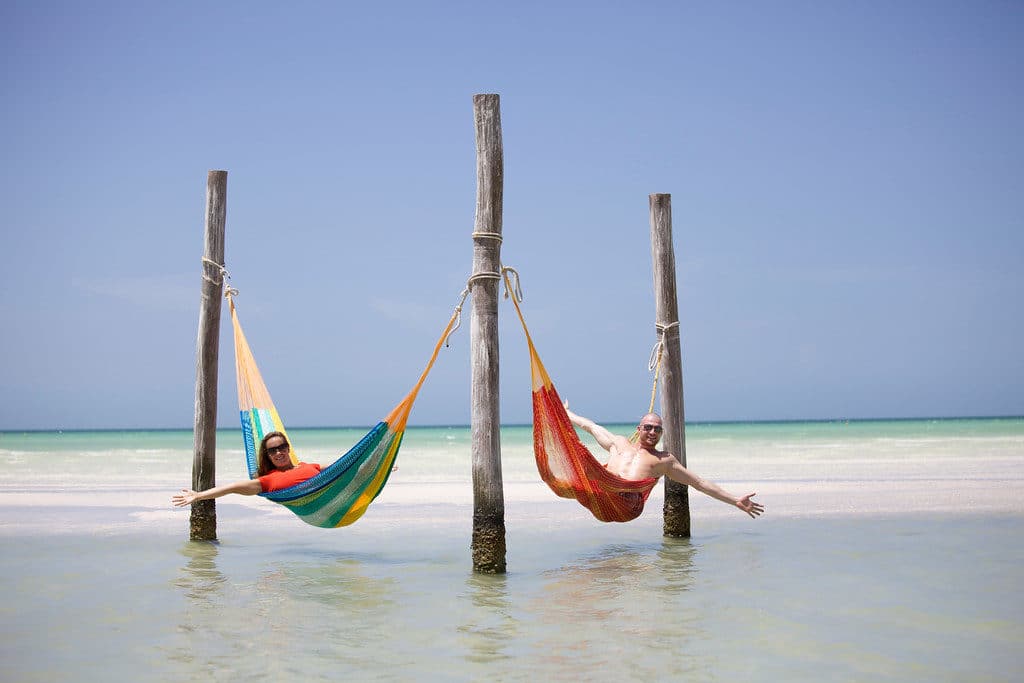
(636,464)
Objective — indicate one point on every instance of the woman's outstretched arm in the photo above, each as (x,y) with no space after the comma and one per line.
(246,487)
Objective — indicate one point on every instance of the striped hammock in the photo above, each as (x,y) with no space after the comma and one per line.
(564,463)
(341,492)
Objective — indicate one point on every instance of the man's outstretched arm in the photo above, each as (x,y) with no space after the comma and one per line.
(603,436)
(676,472)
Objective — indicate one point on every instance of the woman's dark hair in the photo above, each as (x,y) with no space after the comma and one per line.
(264,465)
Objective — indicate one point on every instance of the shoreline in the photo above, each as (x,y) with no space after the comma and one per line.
(56,511)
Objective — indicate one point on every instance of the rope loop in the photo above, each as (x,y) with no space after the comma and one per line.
(511,275)
(469,286)
(488,235)
(481,276)
(457,314)
(655,359)
(221,270)
(654,362)
(659,346)
(224,276)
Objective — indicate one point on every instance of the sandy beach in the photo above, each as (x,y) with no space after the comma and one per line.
(989,492)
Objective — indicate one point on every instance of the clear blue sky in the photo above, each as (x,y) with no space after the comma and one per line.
(847,182)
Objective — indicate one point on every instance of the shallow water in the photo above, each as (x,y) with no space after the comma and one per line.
(825,600)
(100,583)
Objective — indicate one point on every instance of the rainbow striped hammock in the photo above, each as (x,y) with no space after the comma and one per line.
(564,463)
(341,492)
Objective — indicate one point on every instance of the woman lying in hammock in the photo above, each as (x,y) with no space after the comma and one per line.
(643,460)
(275,472)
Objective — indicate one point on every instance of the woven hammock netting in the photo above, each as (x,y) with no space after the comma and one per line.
(342,491)
(565,464)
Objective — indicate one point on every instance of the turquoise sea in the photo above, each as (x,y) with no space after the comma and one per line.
(890,550)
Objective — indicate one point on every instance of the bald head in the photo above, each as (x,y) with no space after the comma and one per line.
(650,429)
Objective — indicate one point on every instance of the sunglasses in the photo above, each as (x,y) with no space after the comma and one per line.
(283,448)
(650,428)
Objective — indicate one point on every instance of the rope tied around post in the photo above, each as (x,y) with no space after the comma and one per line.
(465,293)
(487,235)
(219,267)
(654,362)
(224,276)
(659,345)
(481,276)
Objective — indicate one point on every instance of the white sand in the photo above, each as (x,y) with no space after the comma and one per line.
(71,510)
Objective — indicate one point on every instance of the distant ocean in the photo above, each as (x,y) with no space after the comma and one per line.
(891,550)
(731,450)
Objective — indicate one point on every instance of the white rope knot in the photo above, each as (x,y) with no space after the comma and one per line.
(659,346)
(511,275)
(662,329)
(221,270)
(229,291)
(222,273)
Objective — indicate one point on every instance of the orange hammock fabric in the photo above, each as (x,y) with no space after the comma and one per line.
(564,463)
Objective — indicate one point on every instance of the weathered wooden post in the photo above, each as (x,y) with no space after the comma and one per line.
(677,504)
(488,545)
(203,521)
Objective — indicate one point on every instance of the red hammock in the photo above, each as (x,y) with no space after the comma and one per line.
(564,463)
(571,471)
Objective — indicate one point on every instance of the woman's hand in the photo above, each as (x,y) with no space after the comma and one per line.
(186,497)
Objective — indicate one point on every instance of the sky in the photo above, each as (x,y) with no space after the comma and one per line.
(847,184)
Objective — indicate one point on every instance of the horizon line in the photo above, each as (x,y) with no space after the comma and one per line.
(530,424)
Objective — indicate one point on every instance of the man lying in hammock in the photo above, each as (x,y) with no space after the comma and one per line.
(275,472)
(643,460)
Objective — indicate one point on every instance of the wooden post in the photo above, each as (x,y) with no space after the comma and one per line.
(203,522)
(488,545)
(677,505)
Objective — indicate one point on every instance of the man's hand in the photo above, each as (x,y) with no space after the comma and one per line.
(750,507)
